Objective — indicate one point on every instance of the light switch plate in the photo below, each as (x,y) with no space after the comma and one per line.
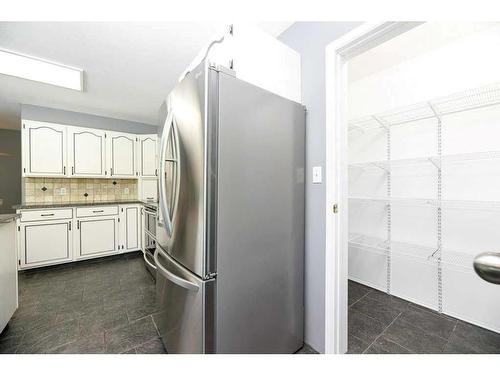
(317,175)
(62,191)
(125,191)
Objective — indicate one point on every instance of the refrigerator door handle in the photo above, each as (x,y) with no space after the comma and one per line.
(172,277)
(163,198)
(148,262)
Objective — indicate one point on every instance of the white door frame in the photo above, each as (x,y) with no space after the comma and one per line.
(338,53)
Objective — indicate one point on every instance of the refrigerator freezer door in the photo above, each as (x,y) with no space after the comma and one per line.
(185,318)
(181,227)
(260,233)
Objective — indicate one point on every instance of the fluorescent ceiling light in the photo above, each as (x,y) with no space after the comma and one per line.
(14,64)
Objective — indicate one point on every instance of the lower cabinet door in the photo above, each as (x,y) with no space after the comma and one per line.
(130,228)
(96,236)
(44,243)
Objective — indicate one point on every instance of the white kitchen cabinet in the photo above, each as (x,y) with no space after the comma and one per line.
(45,242)
(47,214)
(52,236)
(44,149)
(96,236)
(130,228)
(121,154)
(86,152)
(148,189)
(147,155)
(8,271)
(53,150)
(258,58)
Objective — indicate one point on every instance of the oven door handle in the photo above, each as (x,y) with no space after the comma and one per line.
(149,234)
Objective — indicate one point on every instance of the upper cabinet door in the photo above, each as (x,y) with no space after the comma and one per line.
(86,152)
(121,155)
(147,155)
(44,149)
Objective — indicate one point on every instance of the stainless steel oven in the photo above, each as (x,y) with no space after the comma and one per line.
(150,219)
(150,210)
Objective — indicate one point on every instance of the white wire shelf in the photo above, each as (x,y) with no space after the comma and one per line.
(431,203)
(381,246)
(457,259)
(460,260)
(387,165)
(395,201)
(463,101)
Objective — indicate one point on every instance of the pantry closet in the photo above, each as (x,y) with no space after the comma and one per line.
(424,170)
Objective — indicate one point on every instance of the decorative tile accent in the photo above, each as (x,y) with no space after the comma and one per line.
(97,190)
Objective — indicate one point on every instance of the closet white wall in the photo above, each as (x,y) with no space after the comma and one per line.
(464,64)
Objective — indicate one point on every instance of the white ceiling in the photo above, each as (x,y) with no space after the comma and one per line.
(129,67)
(415,42)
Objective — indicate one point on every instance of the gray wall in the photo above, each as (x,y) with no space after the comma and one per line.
(31,112)
(10,169)
(310,40)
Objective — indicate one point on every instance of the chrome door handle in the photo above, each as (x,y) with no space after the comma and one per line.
(487,266)
(163,199)
(148,262)
(172,277)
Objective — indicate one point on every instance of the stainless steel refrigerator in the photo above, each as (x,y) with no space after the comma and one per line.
(230,232)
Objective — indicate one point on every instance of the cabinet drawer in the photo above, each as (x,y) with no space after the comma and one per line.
(38,215)
(96,211)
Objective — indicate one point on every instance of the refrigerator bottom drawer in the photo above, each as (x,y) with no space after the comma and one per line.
(185,316)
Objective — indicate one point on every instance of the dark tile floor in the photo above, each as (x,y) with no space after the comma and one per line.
(382,324)
(106,306)
(98,306)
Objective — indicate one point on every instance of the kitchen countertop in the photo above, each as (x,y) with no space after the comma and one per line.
(6,218)
(69,204)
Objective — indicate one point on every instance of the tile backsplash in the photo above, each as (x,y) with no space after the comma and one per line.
(78,190)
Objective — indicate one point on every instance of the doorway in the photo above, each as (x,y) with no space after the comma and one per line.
(411,189)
